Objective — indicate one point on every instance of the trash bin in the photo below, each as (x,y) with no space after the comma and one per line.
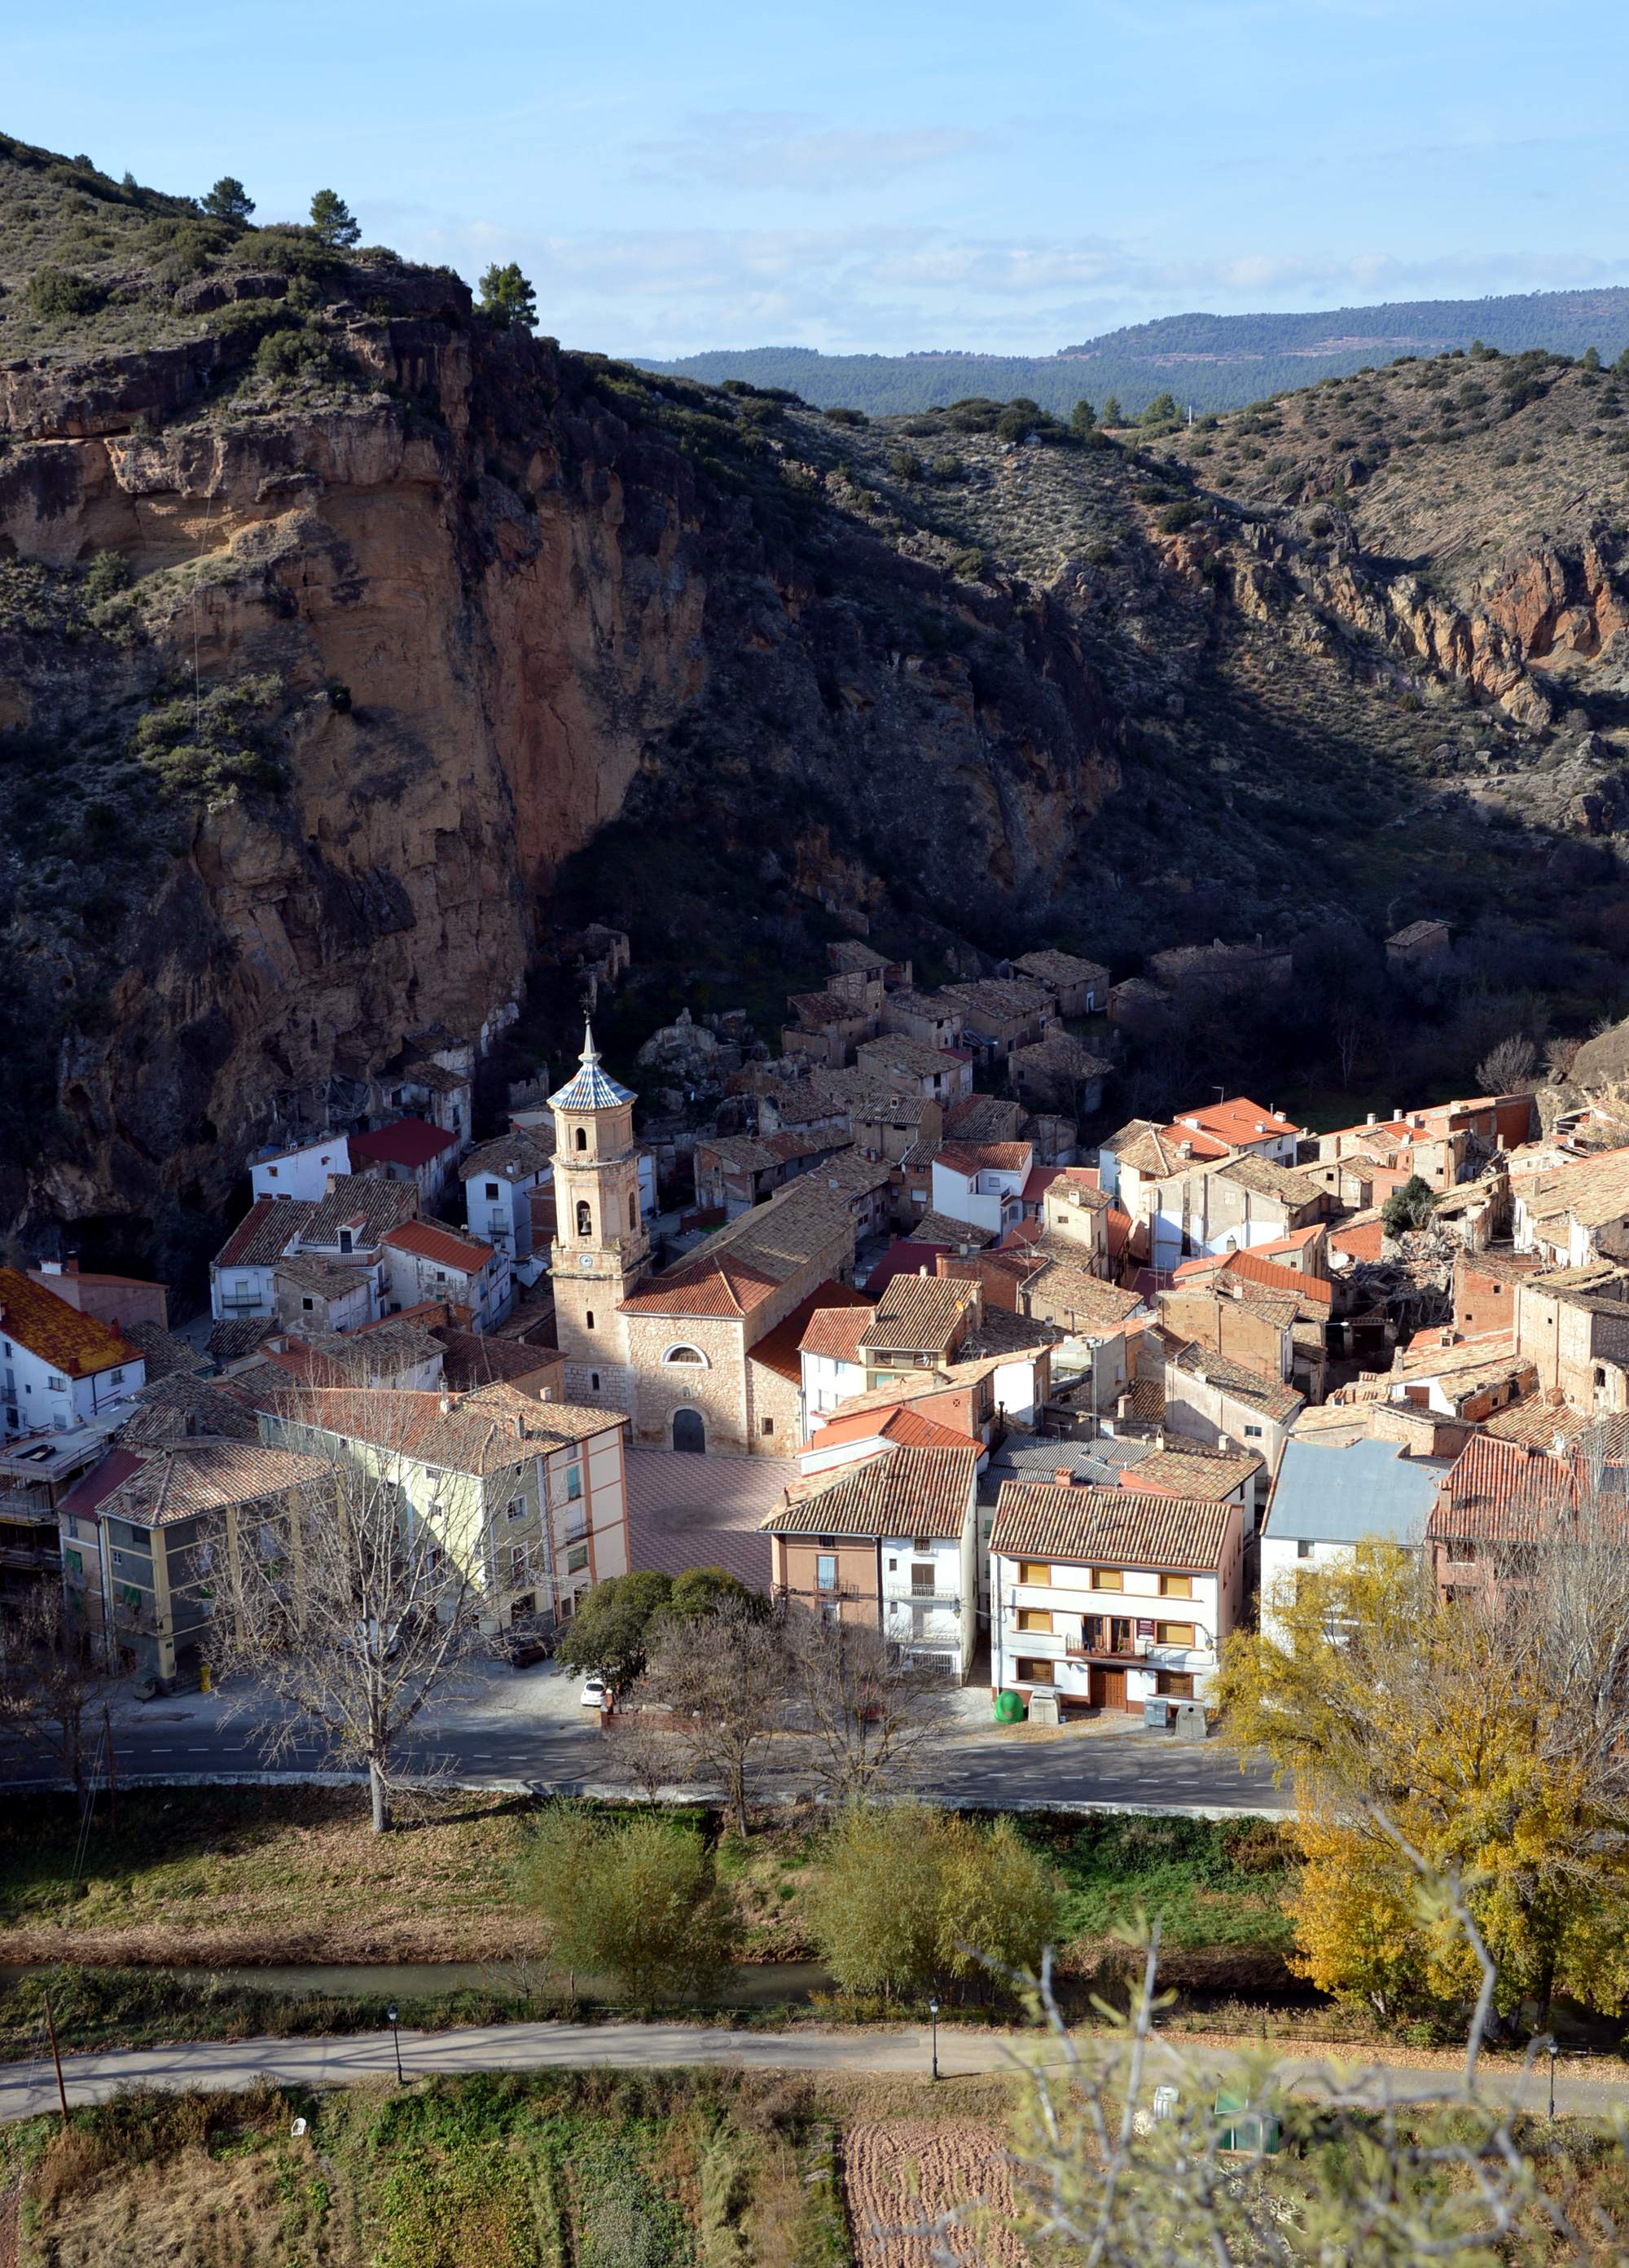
(1043,1708)
(1190,1720)
(1008,1707)
(1156,1714)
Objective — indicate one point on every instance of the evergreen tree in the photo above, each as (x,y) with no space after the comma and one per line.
(331,219)
(1082,418)
(506,297)
(229,200)
(1113,414)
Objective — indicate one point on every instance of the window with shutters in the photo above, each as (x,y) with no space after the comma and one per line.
(1175,1587)
(1174,1633)
(1031,1672)
(1108,1579)
(1034,1618)
(1038,1571)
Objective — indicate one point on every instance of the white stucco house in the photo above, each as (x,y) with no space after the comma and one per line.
(1109,1597)
(301,1170)
(983,1183)
(58,1367)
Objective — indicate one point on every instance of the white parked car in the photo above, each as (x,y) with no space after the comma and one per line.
(593,1695)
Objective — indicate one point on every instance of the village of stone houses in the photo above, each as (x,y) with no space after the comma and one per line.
(909,1349)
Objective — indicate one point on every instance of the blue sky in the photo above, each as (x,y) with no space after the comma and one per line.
(888,176)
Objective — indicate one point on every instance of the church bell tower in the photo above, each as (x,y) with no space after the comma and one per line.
(600,1249)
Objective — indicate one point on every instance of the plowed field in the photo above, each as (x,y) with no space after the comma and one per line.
(899,2174)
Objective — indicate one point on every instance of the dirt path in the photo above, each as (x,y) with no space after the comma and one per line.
(28,2088)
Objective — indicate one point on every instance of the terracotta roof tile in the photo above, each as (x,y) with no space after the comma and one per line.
(779,1350)
(264,1233)
(900,1491)
(899,1424)
(919,1314)
(835,1331)
(747,1261)
(429,1240)
(1107,1527)
(365,1207)
(1204,1477)
(987,1157)
(48,1328)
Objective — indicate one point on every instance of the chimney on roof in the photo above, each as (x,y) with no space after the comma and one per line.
(1063,1476)
(518,1425)
(446,1405)
(50,1267)
(1371,1118)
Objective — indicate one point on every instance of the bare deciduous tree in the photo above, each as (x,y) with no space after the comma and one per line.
(1507,1068)
(349,1614)
(52,1686)
(642,1752)
(872,1716)
(725,1677)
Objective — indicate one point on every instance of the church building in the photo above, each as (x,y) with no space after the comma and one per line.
(686,1353)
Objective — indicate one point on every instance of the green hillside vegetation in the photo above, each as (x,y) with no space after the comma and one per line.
(1211,362)
(92,264)
(669,2170)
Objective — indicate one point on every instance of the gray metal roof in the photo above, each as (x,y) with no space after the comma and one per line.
(1329,1495)
(1094,1464)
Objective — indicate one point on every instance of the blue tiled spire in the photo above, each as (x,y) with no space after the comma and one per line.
(589,1088)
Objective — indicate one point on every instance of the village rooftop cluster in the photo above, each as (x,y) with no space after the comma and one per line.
(881,1336)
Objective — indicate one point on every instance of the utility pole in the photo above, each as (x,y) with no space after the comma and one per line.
(113,1772)
(62,2092)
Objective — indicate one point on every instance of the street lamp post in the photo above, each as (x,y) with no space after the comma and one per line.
(395,2040)
(933,2014)
(1553,2056)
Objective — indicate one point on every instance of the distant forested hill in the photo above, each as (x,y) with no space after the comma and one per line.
(1216,362)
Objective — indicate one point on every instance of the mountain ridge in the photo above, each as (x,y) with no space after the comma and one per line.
(1216,362)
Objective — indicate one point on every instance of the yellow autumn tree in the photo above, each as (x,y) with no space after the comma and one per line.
(1482,1737)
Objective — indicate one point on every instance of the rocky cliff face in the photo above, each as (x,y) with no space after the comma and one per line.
(318,684)
(347,642)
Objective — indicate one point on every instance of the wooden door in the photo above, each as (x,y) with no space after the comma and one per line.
(1108,1688)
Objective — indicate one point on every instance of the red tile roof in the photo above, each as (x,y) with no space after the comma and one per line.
(835,1329)
(444,1246)
(986,1157)
(703,1286)
(1238,1120)
(409,1141)
(1500,1490)
(1272,1277)
(264,1233)
(59,1335)
(905,1427)
(899,1491)
(94,1487)
(778,1350)
(1107,1527)
(1039,1180)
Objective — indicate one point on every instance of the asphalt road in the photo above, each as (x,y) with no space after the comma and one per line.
(26,2089)
(480,1744)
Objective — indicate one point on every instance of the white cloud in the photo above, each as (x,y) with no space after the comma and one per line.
(891,290)
(791,150)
